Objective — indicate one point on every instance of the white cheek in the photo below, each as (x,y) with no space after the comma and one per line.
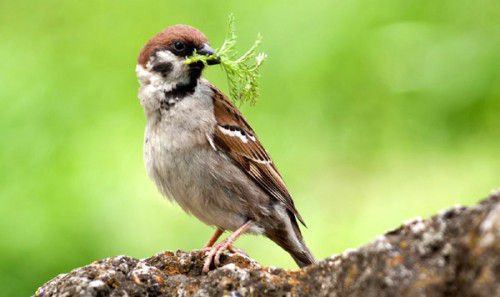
(145,76)
(166,56)
(178,74)
(153,85)
(179,69)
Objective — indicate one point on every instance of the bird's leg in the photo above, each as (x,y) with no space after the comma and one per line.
(227,244)
(234,250)
(218,232)
(219,248)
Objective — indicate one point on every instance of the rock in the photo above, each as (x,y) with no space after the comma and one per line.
(455,253)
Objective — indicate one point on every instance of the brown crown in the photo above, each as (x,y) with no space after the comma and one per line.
(163,39)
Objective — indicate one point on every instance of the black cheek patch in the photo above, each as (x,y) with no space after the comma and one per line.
(163,68)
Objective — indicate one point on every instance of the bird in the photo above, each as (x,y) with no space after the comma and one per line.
(202,153)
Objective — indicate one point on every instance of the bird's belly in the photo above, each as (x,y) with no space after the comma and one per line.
(192,178)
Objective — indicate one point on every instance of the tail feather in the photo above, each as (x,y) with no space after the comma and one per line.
(291,240)
(302,258)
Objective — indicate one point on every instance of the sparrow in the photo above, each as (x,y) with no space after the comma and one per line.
(202,153)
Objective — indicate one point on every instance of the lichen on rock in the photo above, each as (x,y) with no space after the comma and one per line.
(455,253)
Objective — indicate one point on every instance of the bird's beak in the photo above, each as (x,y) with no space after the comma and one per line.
(210,52)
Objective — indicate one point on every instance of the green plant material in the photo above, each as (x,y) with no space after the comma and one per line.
(242,72)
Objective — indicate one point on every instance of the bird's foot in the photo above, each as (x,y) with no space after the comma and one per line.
(205,249)
(214,254)
(236,250)
(212,251)
(230,248)
(224,246)
(216,251)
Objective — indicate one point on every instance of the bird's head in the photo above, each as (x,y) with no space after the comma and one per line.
(163,56)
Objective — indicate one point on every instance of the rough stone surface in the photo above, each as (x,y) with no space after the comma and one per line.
(455,253)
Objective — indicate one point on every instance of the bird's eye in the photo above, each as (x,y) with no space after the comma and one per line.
(179,46)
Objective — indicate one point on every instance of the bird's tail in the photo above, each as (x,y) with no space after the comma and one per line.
(302,257)
(293,243)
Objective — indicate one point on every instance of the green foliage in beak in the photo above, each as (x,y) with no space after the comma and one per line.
(242,72)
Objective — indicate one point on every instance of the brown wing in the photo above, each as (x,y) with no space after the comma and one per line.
(234,136)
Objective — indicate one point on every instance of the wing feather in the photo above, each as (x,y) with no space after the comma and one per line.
(234,136)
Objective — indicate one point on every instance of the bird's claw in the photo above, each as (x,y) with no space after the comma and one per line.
(215,252)
(217,256)
(205,249)
(208,260)
(235,250)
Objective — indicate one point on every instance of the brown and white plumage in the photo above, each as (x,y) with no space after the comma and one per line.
(236,138)
(202,153)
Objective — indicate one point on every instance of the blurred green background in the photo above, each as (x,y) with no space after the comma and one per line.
(375,112)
